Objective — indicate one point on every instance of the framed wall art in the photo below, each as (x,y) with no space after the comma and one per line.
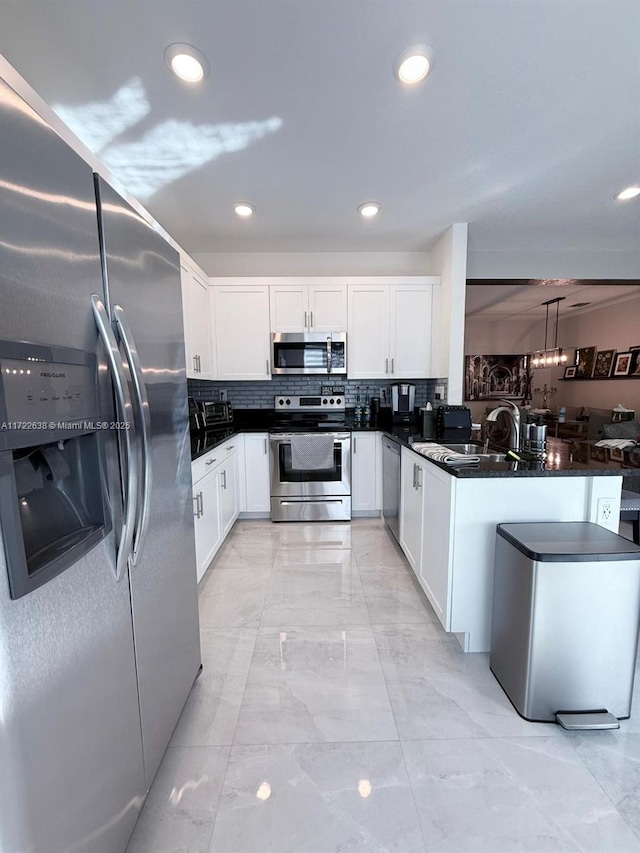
(623,364)
(603,363)
(489,377)
(585,360)
(634,369)
(570,372)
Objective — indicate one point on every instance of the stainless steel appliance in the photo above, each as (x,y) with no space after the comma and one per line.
(310,491)
(99,640)
(565,622)
(309,352)
(215,413)
(391,484)
(403,398)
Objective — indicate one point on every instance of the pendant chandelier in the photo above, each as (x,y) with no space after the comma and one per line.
(550,356)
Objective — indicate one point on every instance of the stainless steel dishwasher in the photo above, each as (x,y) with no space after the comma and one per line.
(391,484)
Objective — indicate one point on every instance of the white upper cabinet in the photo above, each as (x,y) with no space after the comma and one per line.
(241,323)
(197,329)
(410,334)
(390,330)
(308,307)
(368,331)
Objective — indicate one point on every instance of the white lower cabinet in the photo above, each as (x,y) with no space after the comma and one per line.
(426,529)
(215,501)
(435,574)
(365,454)
(412,507)
(256,463)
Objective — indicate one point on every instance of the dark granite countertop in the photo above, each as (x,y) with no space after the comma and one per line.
(563,458)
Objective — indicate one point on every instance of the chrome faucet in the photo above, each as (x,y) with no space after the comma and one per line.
(514,421)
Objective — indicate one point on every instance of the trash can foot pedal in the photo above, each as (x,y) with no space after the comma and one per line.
(583,720)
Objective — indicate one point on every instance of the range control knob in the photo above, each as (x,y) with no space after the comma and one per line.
(331,401)
(281,402)
(338,401)
(324,402)
(288,402)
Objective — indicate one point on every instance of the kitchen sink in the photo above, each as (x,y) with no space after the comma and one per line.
(468,449)
(476,450)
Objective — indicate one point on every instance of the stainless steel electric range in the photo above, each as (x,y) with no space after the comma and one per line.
(310,460)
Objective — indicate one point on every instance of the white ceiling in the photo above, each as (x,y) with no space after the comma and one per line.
(526,128)
(517,299)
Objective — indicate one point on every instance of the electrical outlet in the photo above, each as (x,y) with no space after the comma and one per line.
(605,510)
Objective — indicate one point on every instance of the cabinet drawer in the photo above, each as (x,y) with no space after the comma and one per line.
(204,464)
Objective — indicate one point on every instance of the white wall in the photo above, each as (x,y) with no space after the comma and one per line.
(513,264)
(313,263)
(449,261)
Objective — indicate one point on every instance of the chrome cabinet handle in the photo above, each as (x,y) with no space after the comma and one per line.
(265,447)
(201,496)
(142,402)
(233,447)
(305,320)
(415,476)
(386,365)
(209,461)
(354,443)
(392,364)
(195,363)
(329,354)
(224,482)
(197,499)
(123,397)
(267,365)
(311,321)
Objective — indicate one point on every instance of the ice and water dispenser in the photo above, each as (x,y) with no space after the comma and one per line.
(53,505)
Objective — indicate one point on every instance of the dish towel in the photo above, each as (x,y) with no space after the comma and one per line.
(442,454)
(311,452)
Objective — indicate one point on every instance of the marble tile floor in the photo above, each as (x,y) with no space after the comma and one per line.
(334,715)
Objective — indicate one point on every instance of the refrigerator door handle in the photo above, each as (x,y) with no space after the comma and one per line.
(126,411)
(142,402)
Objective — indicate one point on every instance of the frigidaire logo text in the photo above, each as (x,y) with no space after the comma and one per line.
(49,375)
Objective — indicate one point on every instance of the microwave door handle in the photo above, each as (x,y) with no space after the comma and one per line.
(142,403)
(329,354)
(123,397)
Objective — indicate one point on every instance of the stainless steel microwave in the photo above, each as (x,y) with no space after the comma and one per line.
(309,352)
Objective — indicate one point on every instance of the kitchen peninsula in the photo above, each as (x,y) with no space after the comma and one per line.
(448,519)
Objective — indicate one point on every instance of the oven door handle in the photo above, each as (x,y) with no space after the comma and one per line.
(329,354)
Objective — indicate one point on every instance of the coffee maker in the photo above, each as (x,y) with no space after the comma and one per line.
(403,402)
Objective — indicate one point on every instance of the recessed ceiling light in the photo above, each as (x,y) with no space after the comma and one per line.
(187,62)
(244,209)
(413,64)
(629,192)
(369,209)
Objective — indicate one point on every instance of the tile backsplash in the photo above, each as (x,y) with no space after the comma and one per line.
(260,395)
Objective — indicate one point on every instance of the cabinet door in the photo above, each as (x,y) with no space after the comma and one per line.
(411,504)
(368,331)
(289,307)
(208,527)
(436,565)
(243,337)
(364,474)
(200,325)
(228,479)
(256,449)
(410,335)
(327,307)
(197,330)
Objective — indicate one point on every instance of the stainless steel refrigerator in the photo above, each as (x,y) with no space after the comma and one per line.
(99,635)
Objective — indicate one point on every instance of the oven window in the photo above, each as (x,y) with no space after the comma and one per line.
(326,475)
(299,355)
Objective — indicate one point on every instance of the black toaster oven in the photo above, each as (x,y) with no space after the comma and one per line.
(215,414)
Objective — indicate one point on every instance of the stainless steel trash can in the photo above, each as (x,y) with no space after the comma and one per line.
(566,616)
